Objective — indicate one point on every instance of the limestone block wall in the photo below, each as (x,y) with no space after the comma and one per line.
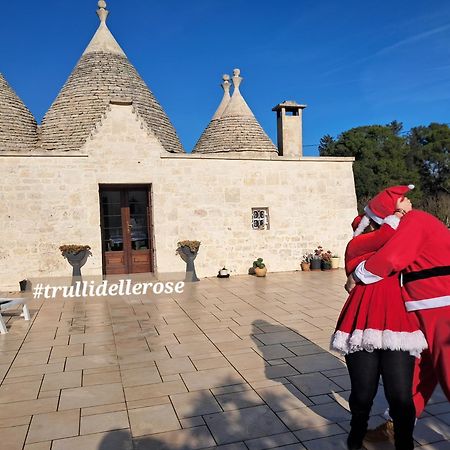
(50,199)
(41,206)
(310,202)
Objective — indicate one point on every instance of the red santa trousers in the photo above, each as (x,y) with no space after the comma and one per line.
(434,366)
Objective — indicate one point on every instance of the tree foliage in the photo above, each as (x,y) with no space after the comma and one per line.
(384,156)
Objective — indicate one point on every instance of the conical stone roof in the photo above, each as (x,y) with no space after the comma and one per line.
(18,128)
(236,130)
(211,129)
(103,74)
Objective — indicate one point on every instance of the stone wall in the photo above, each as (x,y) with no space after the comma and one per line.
(49,200)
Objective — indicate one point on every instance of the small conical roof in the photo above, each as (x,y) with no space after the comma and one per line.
(18,128)
(237,129)
(103,74)
(210,130)
(225,99)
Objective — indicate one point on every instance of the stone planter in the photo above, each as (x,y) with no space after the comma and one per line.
(77,261)
(316,264)
(306,267)
(188,256)
(335,262)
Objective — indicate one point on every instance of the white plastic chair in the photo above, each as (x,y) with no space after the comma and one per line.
(7,303)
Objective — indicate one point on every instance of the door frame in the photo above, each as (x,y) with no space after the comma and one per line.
(150,228)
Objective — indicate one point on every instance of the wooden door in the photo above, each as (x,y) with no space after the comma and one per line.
(126,224)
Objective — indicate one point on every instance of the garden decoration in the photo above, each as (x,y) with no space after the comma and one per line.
(188,251)
(77,256)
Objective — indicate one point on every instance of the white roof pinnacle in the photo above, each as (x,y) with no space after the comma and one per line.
(226,97)
(102,12)
(237,106)
(103,40)
(237,79)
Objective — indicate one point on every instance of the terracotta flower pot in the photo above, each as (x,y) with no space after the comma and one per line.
(260,272)
(306,267)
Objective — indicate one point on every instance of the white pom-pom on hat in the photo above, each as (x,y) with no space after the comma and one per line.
(365,221)
(383,204)
(411,187)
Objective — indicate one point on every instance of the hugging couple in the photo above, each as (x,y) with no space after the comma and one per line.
(396,321)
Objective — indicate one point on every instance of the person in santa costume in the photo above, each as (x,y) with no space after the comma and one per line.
(377,335)
(420,251)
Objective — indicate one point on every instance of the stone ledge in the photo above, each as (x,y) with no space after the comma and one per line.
(258,157)
(46,154)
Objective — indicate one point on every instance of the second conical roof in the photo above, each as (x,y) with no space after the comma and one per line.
(237,129)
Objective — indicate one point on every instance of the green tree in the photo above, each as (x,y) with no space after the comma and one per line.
(326,143)
(380,154)
(430,153)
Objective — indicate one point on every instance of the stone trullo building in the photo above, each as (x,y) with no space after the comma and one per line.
(107,169)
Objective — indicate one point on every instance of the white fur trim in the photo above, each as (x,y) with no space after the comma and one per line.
(371,339)
(362,226)
(364,275)
(428,303)
(411,187)
(393,221)
(373,216)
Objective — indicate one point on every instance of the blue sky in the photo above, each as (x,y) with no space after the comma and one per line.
(352,62)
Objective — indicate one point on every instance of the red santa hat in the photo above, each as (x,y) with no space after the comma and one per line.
(357,221)
(359,224)
(384,203)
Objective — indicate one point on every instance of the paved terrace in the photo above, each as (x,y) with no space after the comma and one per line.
(237,364)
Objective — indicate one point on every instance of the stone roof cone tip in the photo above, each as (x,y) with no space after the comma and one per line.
(226,85)
(237,106)
(103,40)
(237,79)
(102,12)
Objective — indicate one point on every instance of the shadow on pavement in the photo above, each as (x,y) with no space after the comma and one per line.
(289,398)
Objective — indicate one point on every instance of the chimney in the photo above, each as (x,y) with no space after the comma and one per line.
(289,128)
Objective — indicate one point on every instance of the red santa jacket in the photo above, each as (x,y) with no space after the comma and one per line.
(420,248)
(363,246)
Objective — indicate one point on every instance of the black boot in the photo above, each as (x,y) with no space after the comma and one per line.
(403,433)
(358,430)
(354,440)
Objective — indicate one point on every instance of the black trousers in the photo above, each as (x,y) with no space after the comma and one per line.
(396,369)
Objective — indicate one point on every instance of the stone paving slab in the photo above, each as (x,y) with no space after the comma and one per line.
(247,423)
(232,364)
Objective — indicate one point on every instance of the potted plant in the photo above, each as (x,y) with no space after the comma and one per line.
(306,262)
(335,261)
(259,267)
(77,256)
(326,260)
(316,260)
(188,252)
